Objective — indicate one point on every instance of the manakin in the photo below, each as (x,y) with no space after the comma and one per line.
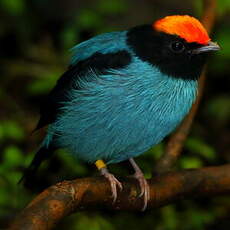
(123,93)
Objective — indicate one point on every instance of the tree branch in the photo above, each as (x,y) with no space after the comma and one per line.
(64,198)
(176,141)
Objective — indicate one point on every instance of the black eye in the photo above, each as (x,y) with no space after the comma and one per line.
(177,47)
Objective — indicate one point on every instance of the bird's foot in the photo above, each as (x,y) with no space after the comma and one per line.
(138,175)
(114,183)
(145,191)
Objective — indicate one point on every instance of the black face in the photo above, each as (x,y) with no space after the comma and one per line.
(170,53)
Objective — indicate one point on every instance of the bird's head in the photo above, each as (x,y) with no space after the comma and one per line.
(178,45)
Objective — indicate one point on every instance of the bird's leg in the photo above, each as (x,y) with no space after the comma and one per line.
(101,166)
(142,182)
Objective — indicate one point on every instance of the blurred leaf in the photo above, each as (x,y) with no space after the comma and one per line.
(156,151)
(1,133)
(4,197)
(198,146)
(92,222)
(198,7)
(74,165)
(223,41)
(11,129)
(12,156)
(198,218)
(27,159)
(69,37)
(14,7)
(190,162)
(13,177)
(220,61)
(223,6)
(219,108)
(44,84)
(169,217)
(89,19)
(112,6)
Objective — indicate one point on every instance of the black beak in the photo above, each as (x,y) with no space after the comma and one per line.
(211,46)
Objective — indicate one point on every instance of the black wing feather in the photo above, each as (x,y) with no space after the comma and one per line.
(98,61)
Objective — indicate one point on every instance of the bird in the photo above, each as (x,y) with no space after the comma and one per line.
(122,93)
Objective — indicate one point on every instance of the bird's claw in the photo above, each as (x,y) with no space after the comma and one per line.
(145,191)
(114,183)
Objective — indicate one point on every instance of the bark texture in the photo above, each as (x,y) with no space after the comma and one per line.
(66,197)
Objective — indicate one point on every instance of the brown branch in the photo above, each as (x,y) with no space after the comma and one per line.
(176,141)
(64,198)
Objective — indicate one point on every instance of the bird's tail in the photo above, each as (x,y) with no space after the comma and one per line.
(42,154)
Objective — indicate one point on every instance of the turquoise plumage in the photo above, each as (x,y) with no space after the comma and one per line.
(120,114)
(123,93)
(103,43)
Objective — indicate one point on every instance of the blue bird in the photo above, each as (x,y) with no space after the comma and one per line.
(123,93)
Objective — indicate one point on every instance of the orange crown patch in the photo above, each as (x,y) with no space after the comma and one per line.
(184,26)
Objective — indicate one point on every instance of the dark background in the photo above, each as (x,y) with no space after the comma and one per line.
(35,37)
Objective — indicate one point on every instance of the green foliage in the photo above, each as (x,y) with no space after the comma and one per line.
(200,218)
(89,19)
(220,65)
(196,145)
(13,7)
(190,162)
(43,85)
(170,217)
(92,222)
(12,156)
(69,37)
(198,7)
(10,129)
(219,108)
(77,167)
(112,7)
(12,159)
(223,6)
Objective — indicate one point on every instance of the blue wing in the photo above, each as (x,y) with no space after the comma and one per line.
(102,52)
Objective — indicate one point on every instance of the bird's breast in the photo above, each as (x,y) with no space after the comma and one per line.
(123,113)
